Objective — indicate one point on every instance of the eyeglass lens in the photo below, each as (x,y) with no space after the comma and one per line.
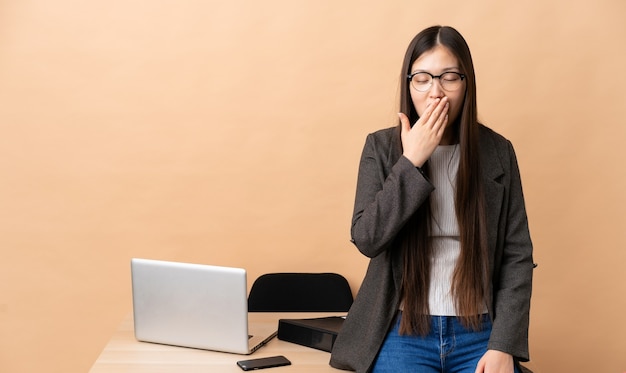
(450,81)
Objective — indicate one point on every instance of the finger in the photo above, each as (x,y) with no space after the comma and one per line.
(433,112)
(442,119)
(429,110)
(404,122)
(442,127)
(437,112)
(480,367)
(442,108)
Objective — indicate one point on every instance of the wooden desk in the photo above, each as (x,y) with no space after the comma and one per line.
(124,354)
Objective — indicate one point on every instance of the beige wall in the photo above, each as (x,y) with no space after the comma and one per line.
(229,133)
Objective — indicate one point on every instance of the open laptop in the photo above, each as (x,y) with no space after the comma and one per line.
(194,305)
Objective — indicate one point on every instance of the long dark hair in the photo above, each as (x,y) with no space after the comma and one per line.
(470,279)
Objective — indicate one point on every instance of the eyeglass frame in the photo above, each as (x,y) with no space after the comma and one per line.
(433,77)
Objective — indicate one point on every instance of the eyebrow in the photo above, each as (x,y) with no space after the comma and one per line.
(446,70)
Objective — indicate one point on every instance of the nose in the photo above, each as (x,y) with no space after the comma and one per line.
(436,91)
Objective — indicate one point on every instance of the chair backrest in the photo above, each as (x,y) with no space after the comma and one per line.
(300,292)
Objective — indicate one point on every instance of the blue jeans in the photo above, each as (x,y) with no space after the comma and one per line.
(448,348)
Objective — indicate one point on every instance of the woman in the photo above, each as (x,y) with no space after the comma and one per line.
(440,212)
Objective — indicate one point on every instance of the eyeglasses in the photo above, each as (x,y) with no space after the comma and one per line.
(450,81)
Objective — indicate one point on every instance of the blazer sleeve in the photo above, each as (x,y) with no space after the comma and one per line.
(388,193)
(513,278)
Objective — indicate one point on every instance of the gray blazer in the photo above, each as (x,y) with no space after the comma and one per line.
(389,190)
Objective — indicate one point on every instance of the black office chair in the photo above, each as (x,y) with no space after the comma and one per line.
(300,292)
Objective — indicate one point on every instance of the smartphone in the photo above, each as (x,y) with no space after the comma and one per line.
(264,362)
